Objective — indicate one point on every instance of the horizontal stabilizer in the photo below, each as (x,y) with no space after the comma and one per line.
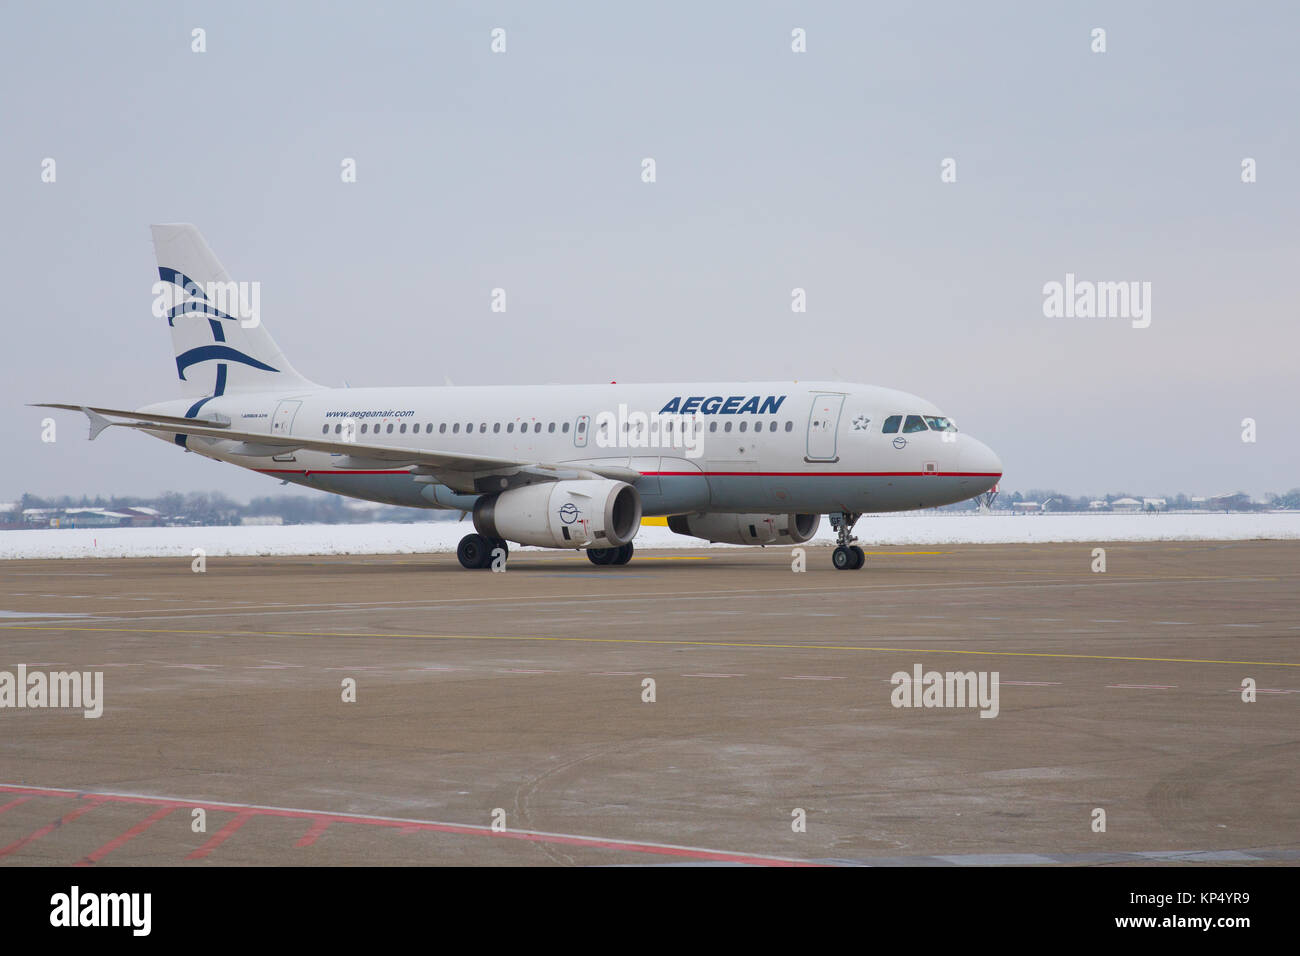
(98,422)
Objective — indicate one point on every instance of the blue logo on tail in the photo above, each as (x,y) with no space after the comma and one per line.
(198,303)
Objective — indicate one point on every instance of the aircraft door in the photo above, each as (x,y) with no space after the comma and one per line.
(823,427)
(282,421)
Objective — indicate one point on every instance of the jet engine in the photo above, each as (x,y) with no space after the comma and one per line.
(747,529)
(574,513)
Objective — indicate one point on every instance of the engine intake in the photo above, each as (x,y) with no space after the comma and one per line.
(575,513)
(747,529)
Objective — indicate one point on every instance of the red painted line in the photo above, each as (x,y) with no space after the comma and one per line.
(317,828)
(245,811)
(130,834)
(43,831)
(14,803)
(827,474)
(222,835)
(325,471)
(693,474)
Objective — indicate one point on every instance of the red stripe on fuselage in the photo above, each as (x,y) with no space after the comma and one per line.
(703,474)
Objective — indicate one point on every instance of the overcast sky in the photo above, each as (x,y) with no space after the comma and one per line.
(775,170)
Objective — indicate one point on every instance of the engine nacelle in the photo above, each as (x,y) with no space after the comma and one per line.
(747,529)
(576,513)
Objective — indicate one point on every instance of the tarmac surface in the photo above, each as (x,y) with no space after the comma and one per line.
(517,698)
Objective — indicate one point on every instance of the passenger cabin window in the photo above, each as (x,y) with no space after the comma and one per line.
(565,428)
(442,428)
(914,423)
(496,427)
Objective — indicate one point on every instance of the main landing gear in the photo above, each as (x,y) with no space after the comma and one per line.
(847,556)
(604,556)
(476,550)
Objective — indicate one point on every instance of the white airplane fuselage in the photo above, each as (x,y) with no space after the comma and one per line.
(807,447)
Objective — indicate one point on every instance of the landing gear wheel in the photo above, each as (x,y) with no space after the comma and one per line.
(623,555)
(474,551)
(847,556)
(602,556)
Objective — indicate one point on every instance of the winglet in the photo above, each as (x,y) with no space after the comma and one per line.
(97,422)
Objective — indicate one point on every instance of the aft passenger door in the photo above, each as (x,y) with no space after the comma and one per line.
(823,427)
(282,422)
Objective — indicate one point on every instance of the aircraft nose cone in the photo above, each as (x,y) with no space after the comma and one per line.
(979,461)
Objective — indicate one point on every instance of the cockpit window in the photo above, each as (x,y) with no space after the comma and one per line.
(891,424)
(914,423)
(940,424)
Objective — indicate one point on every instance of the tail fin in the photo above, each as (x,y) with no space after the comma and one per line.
(220,344)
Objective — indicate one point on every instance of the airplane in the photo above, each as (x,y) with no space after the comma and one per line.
(553,466)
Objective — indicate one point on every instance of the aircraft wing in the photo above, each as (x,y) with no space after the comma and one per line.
(457,470)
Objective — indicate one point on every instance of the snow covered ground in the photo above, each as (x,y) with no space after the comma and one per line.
(435,536)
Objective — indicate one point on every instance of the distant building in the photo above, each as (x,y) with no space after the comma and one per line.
(261,520)
(90,518)
(38,517)
(1154,504)
(1126,504)
(1098,505)
(1026,507)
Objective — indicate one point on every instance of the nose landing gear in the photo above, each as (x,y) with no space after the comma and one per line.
(847,556)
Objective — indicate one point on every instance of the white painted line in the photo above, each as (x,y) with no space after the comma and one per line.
(713,675)
(810,677)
